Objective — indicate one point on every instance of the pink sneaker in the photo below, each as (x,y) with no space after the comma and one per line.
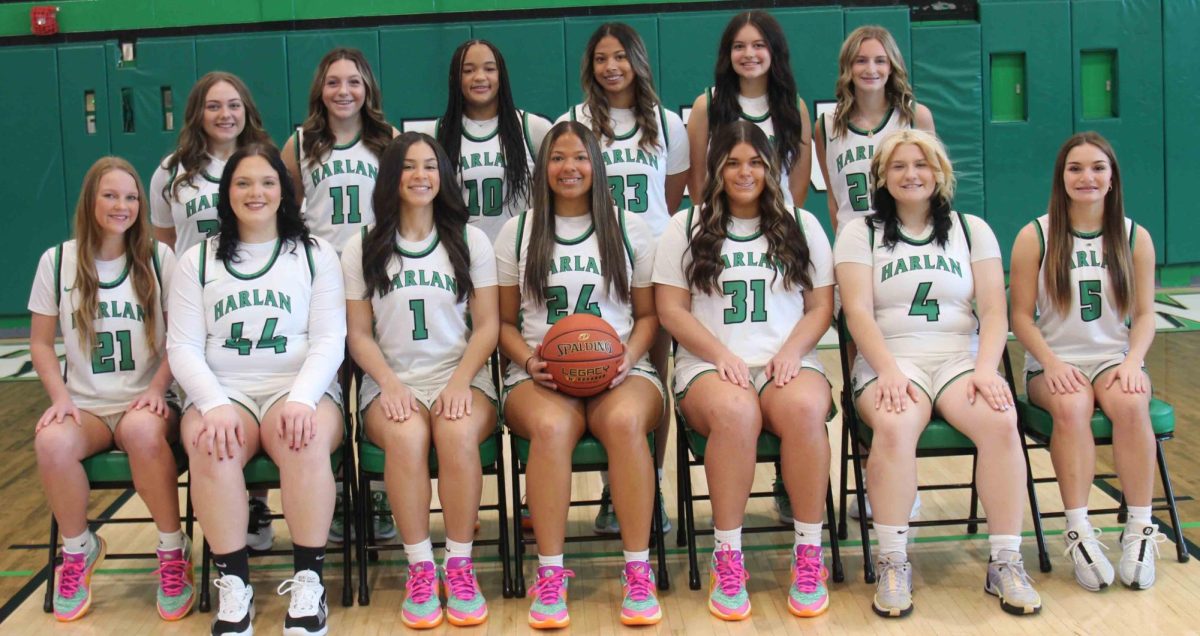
(549,608)
(465,604)
(421,608)
(808,595)
(176,593)
(640,606)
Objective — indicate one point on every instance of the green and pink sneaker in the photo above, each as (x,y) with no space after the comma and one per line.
(727,596)
(465,604)
(421,608)
(176,593)
(549,607)
(808,595)
(640,606)
(73,581)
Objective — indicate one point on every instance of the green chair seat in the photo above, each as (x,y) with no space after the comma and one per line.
(113,466)
(767,447)
(261,470)
(589,451)
(371,457)
(938,435)
(1040,424)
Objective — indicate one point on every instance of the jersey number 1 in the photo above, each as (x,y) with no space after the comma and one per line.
(268,339)
(340,204)
(923,305)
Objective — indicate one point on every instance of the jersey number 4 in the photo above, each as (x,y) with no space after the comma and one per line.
(556,303)
(923,305)
(104,358)
(637,183)
(738,290)
(268,339)
(342,205)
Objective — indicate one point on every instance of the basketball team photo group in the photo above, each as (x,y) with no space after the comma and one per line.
(416,345)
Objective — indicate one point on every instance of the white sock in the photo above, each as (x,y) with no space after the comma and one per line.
(455,550)
(170,540)
(660,474)
(805,534)
(550,560)
(604,478)
(731,538)
(81,544)
(1000,542)
(1139,514)
(419,552)
(892,539)
(642,556)
(1077,520)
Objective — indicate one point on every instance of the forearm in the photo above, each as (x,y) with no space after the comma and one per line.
(690,334)
(369,357)
(870,341)
(993,335)
(809,330)
(513,345)
(480,346)
(642,336)
(45,363)
(1031,338)
(161,382)
(1141,336)
(325,355)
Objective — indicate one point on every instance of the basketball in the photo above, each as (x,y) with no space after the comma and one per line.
(583,352)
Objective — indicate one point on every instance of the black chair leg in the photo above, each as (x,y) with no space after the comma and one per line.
(1122,509)
(843,523)
(48,603)
(1036,513)
(973,527)
(518,535)
(860,497)
(361,505)
(1181,552)
(502,504)
(660,540)
(835,555)
(205,564)
(684,475)
(347,508)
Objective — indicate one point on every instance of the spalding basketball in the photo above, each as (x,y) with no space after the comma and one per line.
(583,352)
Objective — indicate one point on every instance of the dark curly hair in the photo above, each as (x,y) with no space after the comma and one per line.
(288,221)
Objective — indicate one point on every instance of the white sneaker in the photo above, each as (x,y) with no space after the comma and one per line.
(912,515)
(1139,549)
(308,612)
(1092,569)
(235,615)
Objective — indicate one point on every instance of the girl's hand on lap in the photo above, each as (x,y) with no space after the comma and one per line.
(733,369)
(397,401)
(894,391)
(1130,376)
(784,367)
(454,403)
(992,388)
(297,424)
(58,412)
(1064,378)
(153,400)
(535,366)
(222,432)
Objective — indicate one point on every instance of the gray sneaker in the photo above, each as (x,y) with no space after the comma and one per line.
(1093,572)
(893,586)
(1139,549)
(1006,578)
(606,517)
(783,503)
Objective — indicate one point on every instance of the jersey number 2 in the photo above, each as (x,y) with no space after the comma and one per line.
(923,305)
(268,339)
(856,183)
(103,356)
(340,205)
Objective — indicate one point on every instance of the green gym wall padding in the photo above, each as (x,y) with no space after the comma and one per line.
(261,62)
(1019,155)
(1181,49)
(81,69)
(894,19)
(1132,28)
(33,186)
(687,45)
(946,78)
(579,30)
(418,91)
(527,45)
(304,52)
(157,63)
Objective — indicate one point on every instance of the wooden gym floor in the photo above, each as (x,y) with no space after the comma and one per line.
(949,565)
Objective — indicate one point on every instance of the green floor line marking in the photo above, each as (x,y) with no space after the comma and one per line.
(16,573)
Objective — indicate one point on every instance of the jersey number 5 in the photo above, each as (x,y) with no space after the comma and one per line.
(268,339)
(923,305)
(1089,300)
(556,303)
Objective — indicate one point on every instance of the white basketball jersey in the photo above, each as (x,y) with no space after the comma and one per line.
(1092,329)
(761,119)
(256,313)
(848,160)
(338,190)
(636,177)
(481,173)
(193,205)
(105,378)
(755,312)
(575,284)
(923,293)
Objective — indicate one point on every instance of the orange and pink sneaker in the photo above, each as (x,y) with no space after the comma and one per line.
(640,606)
(549,607)
(808,595)
(422,609)
(176,592)
(465,604)
(727,596)
(73,581)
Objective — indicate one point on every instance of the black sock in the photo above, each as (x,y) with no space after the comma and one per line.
(236,563)
(306,558)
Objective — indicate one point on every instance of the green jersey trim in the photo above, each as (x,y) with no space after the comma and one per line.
(1087,235)
(120,278)
(528,136)
(423,253)
(296,145)
(154,260)
(871,133)
(488,137)
(577,240)
(662,123)
(58,252)
(742,239)
(265,268)
(625,238)
(1132,235)
(912,241)
(1041,241)
(203,261)
(312,263)
(520,233)
(962,221)
(350,144)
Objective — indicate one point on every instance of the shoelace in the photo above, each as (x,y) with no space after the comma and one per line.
(731,573)
(305,595)
(1016,574)
(172,576)
(1088,537)
(461,582)
(641,587)
(890,572)
(70,577)
(1153,540)
(421,583)
(548,589)
(231,604)
(810,572)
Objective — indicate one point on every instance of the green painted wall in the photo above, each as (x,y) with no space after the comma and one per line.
(1003,166)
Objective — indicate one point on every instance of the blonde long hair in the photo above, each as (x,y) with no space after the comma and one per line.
(898,91)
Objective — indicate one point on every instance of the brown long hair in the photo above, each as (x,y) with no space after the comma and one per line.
(786,243)
(1118,256)
(192,151)
(318,138)
(604,219)
(139,254)
(898,91)
(645,98)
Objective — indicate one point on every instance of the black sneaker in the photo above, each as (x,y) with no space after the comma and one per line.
(307,613)
(235,615)
(260,536)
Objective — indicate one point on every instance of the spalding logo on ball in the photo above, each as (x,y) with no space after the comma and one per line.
(583,353)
